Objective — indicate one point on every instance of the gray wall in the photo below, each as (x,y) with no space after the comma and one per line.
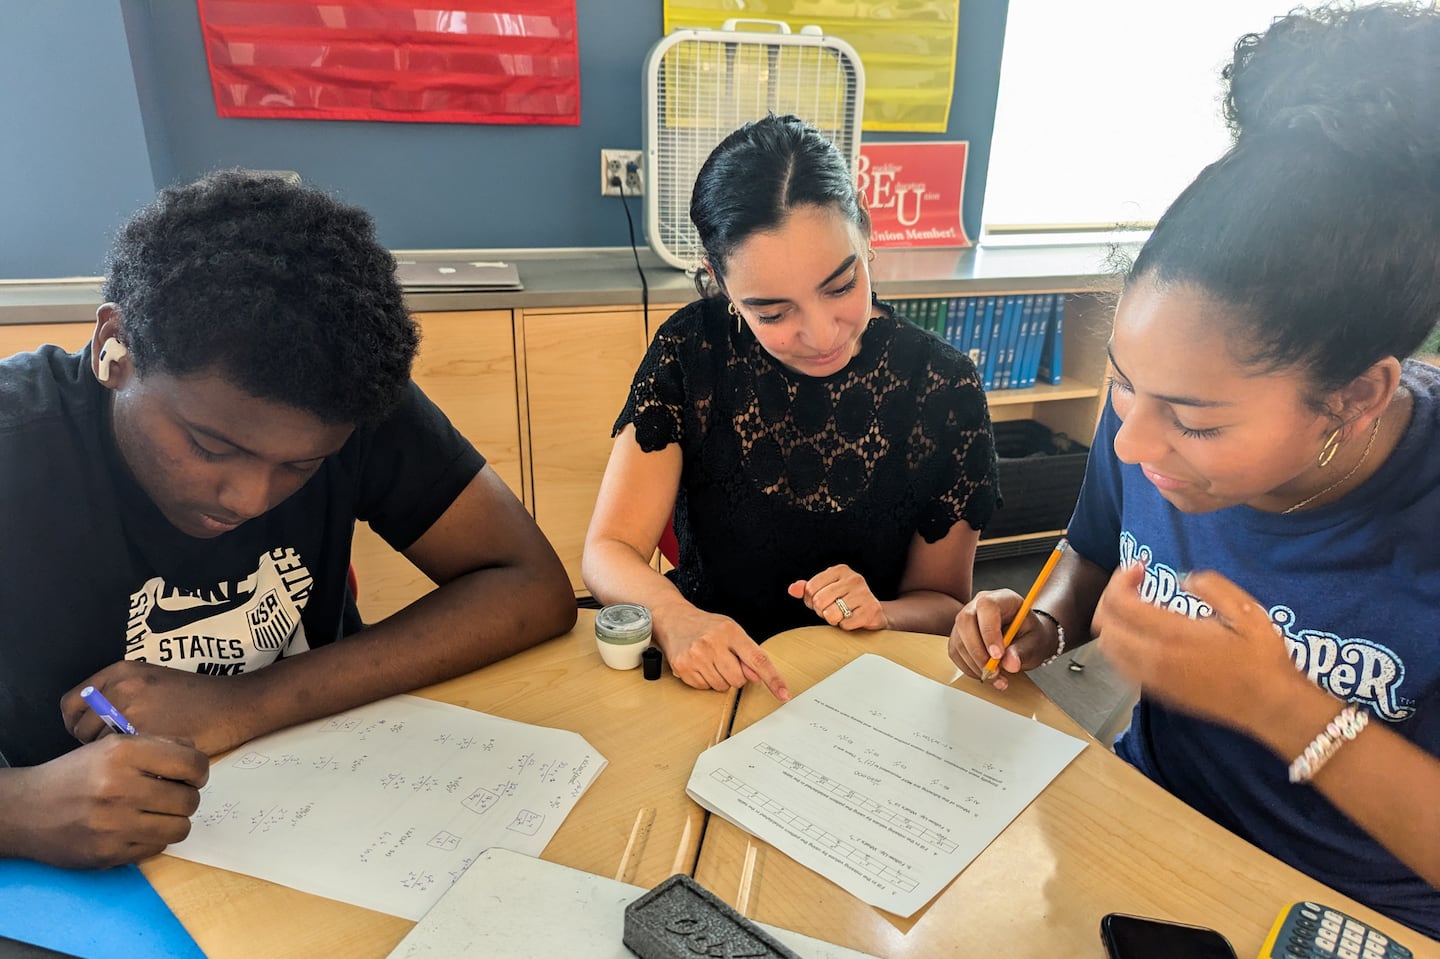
(73,159)
(132,73)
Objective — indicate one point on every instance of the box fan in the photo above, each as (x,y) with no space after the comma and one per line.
(700,85)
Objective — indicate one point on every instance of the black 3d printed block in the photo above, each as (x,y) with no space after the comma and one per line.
(680,919)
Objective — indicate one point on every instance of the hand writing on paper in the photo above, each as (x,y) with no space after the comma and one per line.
(709,651)
(110,802)
(979,632)
(207,710)
(833,592)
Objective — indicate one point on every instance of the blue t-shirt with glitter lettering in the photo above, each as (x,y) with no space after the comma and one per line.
(1354,587)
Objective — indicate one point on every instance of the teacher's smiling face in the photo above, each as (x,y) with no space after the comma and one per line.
(803,288)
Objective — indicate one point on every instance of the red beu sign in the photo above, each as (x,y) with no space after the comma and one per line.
(915,192)
(505,61)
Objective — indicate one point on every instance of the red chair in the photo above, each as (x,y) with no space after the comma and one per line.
(351,621)
(669,545)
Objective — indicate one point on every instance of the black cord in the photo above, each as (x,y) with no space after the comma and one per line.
(644,287)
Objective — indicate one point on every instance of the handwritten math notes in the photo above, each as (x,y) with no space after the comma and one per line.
(386,805)
(883,781)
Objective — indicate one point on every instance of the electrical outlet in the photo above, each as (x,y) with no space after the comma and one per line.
(619,167)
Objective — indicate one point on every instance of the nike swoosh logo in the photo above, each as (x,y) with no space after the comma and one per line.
(163,622)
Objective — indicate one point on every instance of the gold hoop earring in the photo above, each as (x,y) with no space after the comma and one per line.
(739,324)
(870,255)
(1327,452)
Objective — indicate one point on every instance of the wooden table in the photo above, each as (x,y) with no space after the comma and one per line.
(635,823)
(1101,838)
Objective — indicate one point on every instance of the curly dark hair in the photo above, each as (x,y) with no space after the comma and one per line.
(281,289)
(1320,227)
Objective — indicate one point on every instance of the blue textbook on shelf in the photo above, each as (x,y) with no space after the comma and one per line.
(953,310)
(967,328)
(1024,317)
(1007,329)
(90,913)
(1038,306)
(1051,360)
(1022,345)
(990,338)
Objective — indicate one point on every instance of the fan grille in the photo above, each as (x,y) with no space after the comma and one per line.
(703,89)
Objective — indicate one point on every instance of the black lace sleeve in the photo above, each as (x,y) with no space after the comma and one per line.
(656,404)
(957,417)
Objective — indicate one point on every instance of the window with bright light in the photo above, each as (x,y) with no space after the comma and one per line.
(1108,109)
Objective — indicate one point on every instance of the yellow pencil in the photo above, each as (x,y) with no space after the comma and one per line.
(993,667)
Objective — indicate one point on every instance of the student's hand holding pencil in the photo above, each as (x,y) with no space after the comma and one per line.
(996,632)
(121,799)
(980,629)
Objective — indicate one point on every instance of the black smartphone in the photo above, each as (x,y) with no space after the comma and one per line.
(1134,937)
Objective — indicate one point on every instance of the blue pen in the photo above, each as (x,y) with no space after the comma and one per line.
(96,701)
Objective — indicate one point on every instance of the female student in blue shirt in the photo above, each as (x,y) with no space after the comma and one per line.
(1265,424)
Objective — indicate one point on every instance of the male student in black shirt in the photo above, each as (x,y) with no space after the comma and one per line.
(176,507)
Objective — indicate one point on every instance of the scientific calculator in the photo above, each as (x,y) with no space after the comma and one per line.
(1308,930)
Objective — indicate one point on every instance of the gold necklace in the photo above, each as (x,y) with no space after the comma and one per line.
(1374,432)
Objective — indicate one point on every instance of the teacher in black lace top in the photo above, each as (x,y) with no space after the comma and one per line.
(821,457)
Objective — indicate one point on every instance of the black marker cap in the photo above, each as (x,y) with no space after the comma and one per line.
(650,662)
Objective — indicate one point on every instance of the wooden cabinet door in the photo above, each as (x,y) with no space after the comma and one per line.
(467,367)
(24,337)
(578,368)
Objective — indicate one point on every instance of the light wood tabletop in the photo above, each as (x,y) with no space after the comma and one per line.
(1101,838)
(635,822)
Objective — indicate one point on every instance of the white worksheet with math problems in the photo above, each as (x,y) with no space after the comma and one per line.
(882,780)
(386,805)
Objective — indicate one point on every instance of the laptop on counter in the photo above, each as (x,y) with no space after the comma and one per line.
(457,276)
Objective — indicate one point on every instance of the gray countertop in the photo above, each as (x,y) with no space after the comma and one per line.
(607,276)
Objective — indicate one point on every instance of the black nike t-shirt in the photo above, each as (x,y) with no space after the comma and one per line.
(92,573)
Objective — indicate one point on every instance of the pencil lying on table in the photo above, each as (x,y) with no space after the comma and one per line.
(993,667)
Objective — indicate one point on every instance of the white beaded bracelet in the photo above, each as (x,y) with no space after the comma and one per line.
(1336,733)
(1059,634)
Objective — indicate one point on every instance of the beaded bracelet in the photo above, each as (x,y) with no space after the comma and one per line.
(1336,733)
(1059,633)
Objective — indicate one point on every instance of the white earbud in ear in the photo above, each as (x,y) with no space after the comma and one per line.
(111,351)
